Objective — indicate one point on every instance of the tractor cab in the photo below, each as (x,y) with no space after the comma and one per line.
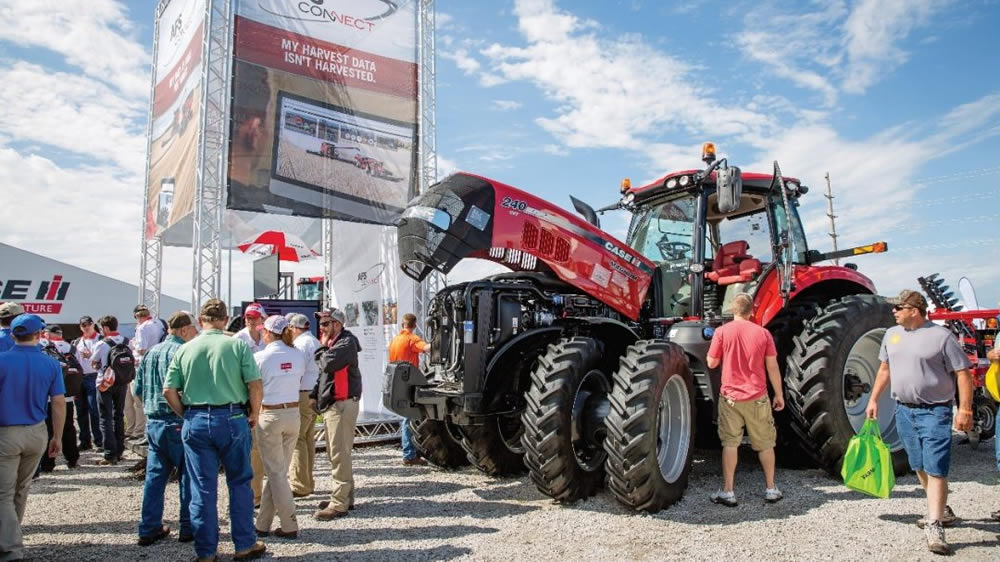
(711,243)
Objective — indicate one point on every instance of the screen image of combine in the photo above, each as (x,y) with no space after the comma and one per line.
(327,148)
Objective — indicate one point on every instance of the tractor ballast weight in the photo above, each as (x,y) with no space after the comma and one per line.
(587,360)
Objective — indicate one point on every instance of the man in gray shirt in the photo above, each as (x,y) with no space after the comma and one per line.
(924,361)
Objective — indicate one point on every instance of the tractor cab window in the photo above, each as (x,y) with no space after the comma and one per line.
(753,229)
(781,222)
(663,232)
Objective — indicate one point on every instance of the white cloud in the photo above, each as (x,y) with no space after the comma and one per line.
(462,60)
(94,35)
(506,105)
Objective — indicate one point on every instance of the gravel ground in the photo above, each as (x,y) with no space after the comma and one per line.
(414,513)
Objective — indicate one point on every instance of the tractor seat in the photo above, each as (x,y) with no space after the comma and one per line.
(732,264)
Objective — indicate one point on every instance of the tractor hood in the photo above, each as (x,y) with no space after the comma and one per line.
(468,216)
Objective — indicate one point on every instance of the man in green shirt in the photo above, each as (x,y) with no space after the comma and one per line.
(214,383)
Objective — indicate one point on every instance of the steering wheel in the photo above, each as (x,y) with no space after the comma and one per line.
(672,250)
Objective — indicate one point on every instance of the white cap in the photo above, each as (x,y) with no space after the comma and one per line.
(275,324)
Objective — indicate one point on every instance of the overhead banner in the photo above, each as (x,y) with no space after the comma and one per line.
(369,288)
(324,108)
(176,105)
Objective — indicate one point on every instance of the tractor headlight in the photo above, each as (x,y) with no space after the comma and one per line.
(629,198)
(671,183)
(684,181)
(696,267)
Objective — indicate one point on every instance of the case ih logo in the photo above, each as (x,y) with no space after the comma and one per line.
(52,291)
(362,17)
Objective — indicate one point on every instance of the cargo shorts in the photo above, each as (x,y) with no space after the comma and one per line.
(753,415)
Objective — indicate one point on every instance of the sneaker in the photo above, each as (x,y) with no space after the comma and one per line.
(106,462)
(773,495)
(935,538)
(727,499)
(995,515)
(328,514)
(947,518)
(146,541)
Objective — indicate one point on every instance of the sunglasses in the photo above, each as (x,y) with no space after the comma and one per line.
(326,323)
(900,307)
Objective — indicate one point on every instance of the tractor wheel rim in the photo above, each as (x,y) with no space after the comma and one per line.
(862,367)
(984,417)
(510,429)
(674,429)
(590,405)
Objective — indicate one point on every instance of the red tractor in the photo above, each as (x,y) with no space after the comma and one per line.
(586,363)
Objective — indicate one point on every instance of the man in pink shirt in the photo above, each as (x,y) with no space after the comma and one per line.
(744,350)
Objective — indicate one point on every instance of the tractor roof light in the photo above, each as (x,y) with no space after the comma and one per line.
(708,152)
(626,185)
(683,181)
(629,198)
(671,183)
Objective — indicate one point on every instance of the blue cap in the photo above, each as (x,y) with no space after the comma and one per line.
(26,324)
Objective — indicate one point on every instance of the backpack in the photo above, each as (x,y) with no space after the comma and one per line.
(121,362)
(71,369)
(163,329)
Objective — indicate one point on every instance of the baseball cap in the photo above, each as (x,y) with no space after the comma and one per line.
(275,324)
(910,297)
(86,319)
(140,308)
(26,324)
(10,310)
(333,314)
(54,329)
(297,320)
(254,310)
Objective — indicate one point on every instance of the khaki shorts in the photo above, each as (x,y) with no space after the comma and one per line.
(754,415)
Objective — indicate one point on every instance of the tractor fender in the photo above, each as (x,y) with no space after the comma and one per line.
(530,343)
(827,281)
(614,334)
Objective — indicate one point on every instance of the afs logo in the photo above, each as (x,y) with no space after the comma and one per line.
(370,277)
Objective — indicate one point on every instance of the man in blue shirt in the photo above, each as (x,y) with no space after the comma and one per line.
(8,312)
(163,431)
(28,380)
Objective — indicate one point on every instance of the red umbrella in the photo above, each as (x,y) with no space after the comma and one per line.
(288,246)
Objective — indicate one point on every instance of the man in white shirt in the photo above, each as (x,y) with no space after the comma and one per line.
(148,332)
(113,397)
(253,318)
(305,447)
(88,408)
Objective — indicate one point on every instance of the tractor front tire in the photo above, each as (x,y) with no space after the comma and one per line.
(563,463)
(837,347)
(651,427)
(437,443)
(495,447)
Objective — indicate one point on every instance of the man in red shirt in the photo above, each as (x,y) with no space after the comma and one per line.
(407,346)
(745,349)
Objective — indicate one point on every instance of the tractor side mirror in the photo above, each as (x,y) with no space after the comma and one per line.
(729,188)
(587,211)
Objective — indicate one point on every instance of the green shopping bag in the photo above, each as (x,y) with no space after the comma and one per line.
(868,463)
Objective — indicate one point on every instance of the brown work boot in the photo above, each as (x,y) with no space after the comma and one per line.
(255,551)
(328,514)
(415,461)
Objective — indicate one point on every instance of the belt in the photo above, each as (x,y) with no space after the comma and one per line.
(280,406)
(210,407)
(923,406)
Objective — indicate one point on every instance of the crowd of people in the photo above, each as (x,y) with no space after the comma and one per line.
(199,398)
(202,399)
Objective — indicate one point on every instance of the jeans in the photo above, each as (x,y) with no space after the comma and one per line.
(89,412)
(166,452)
(409,451)
(113,421)
(212,437)
(926,435)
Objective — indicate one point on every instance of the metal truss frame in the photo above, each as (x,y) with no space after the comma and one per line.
(209,203)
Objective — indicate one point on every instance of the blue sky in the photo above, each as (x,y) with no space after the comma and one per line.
(898,101)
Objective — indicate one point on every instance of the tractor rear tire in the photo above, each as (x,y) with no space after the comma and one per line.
(437,443)
(563,463)
(817,397)
(651,426)
(495,447)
